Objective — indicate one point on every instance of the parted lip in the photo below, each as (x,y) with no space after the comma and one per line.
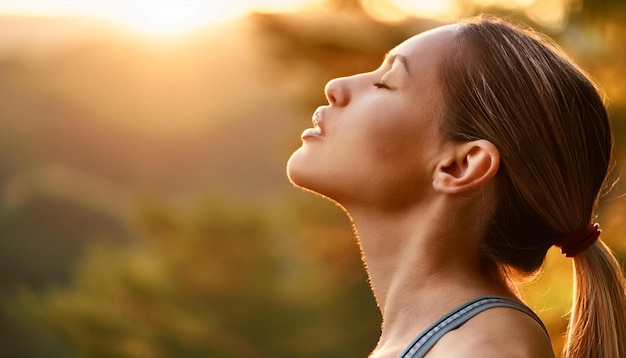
(318,125)
(318,119)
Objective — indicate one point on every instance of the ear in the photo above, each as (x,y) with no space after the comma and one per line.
(468,166)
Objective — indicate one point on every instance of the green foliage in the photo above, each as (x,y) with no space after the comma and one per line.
(226,280)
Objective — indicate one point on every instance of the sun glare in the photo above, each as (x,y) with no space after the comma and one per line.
(162,17)
(158,17)
(398,10)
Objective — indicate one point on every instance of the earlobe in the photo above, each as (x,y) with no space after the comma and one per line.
(469,166)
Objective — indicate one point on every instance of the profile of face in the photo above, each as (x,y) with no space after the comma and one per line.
(377,140)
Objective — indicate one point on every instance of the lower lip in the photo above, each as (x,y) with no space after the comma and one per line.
(311,133)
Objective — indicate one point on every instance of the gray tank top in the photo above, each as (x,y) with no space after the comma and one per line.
(456,318)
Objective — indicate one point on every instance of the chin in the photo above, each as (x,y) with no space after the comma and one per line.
(295,171)
(303,174)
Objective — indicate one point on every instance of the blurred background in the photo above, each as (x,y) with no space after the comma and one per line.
(144,209)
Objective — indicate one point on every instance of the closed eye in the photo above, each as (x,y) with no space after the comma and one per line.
(380,85)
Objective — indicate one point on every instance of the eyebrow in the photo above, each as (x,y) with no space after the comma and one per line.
(392,57)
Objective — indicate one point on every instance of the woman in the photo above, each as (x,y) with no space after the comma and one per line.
(472,150)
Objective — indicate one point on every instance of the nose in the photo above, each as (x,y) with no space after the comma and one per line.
(337,92)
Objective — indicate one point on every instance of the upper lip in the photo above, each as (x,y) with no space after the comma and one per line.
(318,118)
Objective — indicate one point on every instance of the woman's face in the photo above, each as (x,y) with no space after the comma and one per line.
(376,141)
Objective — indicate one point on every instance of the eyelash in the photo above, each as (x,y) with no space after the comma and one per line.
(380,85)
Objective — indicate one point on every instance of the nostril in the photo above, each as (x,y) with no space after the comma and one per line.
(331,99)
(336,92)
(329,90)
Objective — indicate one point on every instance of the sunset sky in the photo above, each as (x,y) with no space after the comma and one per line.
(172,16)
(153,16)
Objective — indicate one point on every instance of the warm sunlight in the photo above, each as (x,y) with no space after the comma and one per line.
(167,17)
(163,17)
(159,17)
(398,10)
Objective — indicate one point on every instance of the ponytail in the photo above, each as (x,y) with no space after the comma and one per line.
(597,326)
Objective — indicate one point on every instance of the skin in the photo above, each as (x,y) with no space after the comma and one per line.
(419,203)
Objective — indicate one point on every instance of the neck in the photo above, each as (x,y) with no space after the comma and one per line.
(421,264)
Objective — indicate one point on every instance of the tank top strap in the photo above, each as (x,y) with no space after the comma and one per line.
(457,317)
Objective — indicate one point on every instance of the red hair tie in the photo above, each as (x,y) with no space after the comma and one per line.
(579,241)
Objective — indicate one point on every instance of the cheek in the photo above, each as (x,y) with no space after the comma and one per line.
(395,138)
(402,146)
(407,131)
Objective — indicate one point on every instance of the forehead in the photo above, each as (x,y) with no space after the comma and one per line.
(426,48)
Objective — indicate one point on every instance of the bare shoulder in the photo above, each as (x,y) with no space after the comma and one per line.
(497,332)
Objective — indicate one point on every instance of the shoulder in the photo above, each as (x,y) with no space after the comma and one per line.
(497,332)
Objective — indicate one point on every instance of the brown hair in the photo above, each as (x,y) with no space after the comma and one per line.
(512,86)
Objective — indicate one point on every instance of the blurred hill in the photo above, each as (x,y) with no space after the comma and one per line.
(152,116)
(94,116)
